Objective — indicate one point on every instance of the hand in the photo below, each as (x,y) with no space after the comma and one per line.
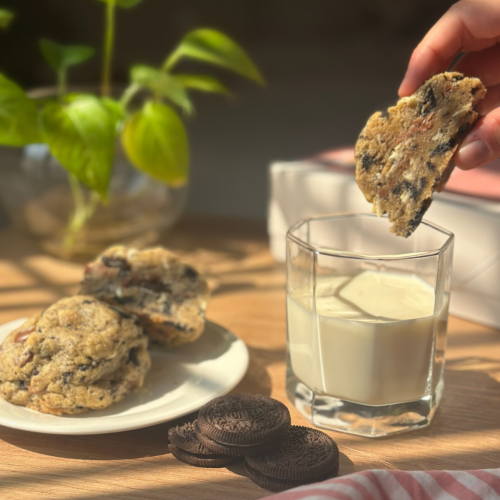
(473,27)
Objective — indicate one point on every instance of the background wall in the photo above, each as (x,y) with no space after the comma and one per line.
(328,64)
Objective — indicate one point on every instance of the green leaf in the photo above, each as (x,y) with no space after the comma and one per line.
(74,96)
(146,75)
(81,135)
(204,83)
(163,84)
(155,141)
(114,108)
(63,56)
(126,4)
(6,17)
(216,48)
(18,116)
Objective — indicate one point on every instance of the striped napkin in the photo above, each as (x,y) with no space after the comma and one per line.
(398,485)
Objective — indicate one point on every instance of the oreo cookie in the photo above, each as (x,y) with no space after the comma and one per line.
(186,448)
(242,423)
(201,460)
(276,485)
(304,456)
(235,451)
(184,437)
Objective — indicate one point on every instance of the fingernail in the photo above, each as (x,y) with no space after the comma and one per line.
(473,154)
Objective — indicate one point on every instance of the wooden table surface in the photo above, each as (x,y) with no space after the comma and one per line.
(249,299)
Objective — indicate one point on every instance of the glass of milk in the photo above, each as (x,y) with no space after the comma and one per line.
(367,313)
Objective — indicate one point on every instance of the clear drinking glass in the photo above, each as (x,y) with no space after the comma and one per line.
(367,314)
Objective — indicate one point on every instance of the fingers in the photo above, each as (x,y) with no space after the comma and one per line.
(482,144)
(424,63)
(491,101)
(468,26)
(484,65)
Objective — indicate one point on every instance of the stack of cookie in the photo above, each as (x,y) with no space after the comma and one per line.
(79,354)
(228,428)
(186,447)
(258,429)
(90,351)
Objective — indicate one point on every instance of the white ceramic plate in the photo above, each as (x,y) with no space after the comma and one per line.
(180,381)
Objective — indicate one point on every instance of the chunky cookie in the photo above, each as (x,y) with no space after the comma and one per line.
(403,157)
(79,354)
(168,296)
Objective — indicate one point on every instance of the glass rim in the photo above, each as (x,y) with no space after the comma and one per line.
(355,255)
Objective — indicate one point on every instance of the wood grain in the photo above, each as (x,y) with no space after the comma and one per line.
(249,299)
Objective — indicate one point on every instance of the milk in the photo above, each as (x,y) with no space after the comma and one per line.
(373,338)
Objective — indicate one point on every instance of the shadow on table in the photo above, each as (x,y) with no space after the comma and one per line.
(198,485)
(468,405)
(467,414)
(474,338)
(478,366)
(257,379)
(147,442)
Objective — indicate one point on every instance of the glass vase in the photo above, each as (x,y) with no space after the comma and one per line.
(38,197)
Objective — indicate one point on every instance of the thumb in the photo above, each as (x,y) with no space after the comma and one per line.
(482,143)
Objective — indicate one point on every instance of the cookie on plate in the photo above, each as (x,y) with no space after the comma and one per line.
(402,158)
(304,456)
(240,424)
(77,355)
(168,296)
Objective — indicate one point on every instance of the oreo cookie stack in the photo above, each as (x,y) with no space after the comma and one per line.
(186,448)
(277,455)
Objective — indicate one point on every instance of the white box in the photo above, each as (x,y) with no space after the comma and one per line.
(306,188)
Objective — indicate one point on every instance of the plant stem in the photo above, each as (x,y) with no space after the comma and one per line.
(128,94)
(109,39)
(83,211)
(77,193)
(61,83)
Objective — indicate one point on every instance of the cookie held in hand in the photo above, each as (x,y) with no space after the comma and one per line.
(402,158)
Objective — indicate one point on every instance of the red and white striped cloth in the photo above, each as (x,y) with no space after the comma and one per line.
(398,485)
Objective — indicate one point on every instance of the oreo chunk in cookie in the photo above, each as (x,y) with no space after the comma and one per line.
(402,158)
(168,296)
(240,424)
(304,456)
